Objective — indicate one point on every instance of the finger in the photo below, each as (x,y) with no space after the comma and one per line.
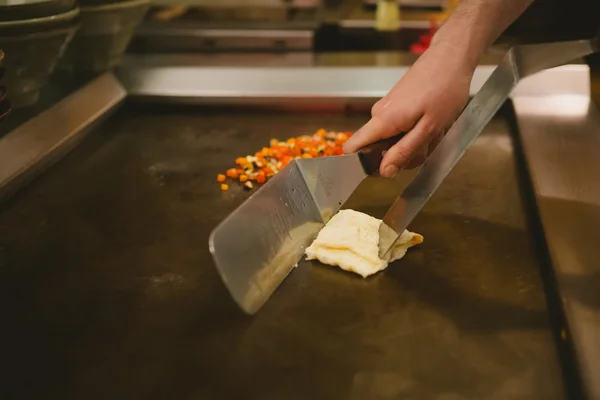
(424,153)
(381,105)
(374,130)
(400,155)
(436,141)
(381,126)
(417,161)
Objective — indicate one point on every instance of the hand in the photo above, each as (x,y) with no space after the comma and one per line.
(424,103)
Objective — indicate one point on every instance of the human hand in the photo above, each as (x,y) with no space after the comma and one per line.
(424,103)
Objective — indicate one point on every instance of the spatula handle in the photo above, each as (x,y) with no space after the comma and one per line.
(371,155)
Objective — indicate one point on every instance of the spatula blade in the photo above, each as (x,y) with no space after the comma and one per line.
(257,246)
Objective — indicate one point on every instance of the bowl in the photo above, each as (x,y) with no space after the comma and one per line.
(32,48)
(22,27)
(106,31)
(29,9)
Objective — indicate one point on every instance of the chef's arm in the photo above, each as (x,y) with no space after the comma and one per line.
(476,24)
(427,100)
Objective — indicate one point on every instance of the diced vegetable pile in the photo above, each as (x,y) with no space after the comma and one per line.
(264,164)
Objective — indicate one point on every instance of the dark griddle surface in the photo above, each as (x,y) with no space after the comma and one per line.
(107,289)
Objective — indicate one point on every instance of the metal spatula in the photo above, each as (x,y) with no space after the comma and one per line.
(261,242)
(518,63)
(258,245)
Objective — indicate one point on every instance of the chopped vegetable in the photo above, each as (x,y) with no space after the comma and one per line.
(221,178)
(232,173)
(224,187)
(268,161)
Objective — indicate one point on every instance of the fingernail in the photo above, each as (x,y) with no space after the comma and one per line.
(391,171)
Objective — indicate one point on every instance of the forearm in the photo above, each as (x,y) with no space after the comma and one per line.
(475,25)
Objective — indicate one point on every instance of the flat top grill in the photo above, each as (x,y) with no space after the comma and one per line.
(107,288)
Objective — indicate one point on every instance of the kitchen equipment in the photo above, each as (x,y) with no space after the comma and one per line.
(31,9)
(5,107)
(387,16)
(33,47)
(106,30)
(257,246)
(518,63)
(106,241)
(4,103)
(436,4)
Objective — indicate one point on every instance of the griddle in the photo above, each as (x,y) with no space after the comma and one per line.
(107,288)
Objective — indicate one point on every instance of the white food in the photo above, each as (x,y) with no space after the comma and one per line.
(350,241)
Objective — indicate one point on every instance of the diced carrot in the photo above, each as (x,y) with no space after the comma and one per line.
(340,138)
(268,161)
(232,173)
(224,187)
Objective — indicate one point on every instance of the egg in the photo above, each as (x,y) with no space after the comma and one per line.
(350,241)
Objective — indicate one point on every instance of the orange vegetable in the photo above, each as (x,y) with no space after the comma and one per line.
(224,187)
(232,173)
(268,161)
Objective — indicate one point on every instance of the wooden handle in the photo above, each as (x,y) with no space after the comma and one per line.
(371,155)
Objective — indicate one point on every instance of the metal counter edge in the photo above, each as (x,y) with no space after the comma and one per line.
(34,146)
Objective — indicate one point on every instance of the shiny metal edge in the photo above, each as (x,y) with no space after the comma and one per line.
(279,83)
(560,137)
(37,144)
(241,3)
(262,83)
(370,24)
(239,34)
(157,37)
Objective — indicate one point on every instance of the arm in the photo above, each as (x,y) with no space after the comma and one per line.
(476,24)
(427,100)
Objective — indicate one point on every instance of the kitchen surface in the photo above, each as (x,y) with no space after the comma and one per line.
(108,188)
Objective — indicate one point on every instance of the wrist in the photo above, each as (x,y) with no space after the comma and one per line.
(459,43)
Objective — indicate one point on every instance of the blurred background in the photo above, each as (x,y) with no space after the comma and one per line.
(49,38)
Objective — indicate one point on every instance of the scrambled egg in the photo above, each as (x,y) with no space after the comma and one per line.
(350,241)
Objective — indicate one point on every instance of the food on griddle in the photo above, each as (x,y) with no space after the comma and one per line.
(350,241)
(270,160)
